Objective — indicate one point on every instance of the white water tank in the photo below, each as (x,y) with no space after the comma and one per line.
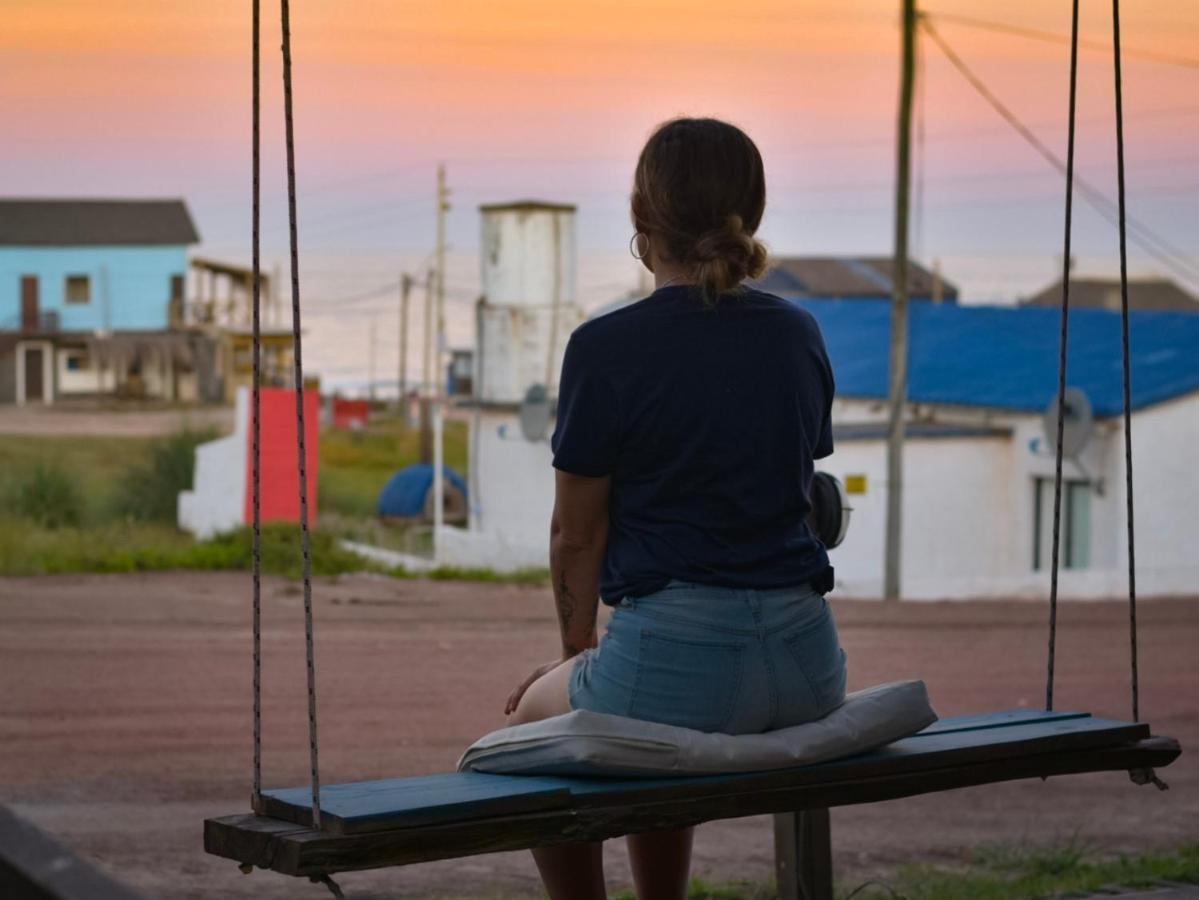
(528,307)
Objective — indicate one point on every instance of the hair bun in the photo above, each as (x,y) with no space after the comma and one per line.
(726,256)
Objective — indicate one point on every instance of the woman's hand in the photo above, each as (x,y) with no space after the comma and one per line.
(514,697)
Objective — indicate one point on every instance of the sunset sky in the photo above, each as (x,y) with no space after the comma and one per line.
(553,98)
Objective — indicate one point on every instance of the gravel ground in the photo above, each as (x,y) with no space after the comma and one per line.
(125,719)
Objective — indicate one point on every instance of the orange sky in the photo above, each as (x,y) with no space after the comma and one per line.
(553,97)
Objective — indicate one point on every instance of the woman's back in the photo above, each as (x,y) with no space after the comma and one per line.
(707,416)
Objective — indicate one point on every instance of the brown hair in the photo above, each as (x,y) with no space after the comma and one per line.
(699,188)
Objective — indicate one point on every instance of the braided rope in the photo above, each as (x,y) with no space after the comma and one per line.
(1061,363)
(255,228)
(1127,361)
(297,347)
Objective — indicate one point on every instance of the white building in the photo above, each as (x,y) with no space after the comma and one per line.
(978,470)
(523,321)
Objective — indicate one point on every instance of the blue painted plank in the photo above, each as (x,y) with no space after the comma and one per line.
(999,720)
(423,800)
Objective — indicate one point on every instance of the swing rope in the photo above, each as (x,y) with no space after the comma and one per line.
(1063,341)
(1132,570)
(298,375)
(255,229)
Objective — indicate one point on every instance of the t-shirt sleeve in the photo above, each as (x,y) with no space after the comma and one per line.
(824,443)
(587,433)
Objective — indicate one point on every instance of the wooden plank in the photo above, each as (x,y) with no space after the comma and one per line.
(803,855)
(35,866)
(300,851)
(397,803)
(411,802)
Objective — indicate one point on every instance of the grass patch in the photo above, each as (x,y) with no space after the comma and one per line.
(533,577)
(95,465)
(27,548)
(1008,872)
(698,889)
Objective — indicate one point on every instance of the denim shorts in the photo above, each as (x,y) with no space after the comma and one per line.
(715,659)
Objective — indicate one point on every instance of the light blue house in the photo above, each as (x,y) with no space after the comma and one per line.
(92,299)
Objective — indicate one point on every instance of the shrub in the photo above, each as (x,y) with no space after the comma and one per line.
(149,492)
(49,496)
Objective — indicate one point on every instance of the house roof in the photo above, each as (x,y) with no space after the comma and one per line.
(1006,357)
(846,277)
(1104,293)
(31,222)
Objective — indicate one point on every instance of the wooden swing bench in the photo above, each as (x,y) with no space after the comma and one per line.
(400,821)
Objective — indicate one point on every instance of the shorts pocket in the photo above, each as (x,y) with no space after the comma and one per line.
(687,682)
(817,652)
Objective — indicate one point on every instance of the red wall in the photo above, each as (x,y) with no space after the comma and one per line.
(350,413)
(280,464)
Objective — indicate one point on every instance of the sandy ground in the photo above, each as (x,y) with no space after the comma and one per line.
(125,719)
(67,418)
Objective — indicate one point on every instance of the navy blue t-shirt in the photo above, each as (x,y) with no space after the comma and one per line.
(708,419)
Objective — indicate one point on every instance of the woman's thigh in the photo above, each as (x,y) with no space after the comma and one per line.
(546,697)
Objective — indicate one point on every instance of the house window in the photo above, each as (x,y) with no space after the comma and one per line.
(1075,547)
(75,360)
(177,288)
(79,289)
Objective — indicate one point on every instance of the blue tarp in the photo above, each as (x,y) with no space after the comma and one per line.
(404,494)
(1006,357)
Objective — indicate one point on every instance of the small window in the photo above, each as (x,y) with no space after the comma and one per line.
(1075,546)
(177,288)
(76,360)
(79,289)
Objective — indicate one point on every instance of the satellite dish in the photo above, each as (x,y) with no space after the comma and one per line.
(1077,426)
(829,518)
(535,413)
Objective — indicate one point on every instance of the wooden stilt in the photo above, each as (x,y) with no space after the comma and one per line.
(803,855)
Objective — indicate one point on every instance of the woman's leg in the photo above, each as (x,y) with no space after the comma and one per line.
(569,871)
(661,863)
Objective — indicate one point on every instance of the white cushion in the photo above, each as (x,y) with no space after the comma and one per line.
(589,743)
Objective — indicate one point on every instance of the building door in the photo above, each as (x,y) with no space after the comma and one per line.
(30,314)
(35,364)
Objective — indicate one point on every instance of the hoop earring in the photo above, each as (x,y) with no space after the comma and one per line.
(633,242)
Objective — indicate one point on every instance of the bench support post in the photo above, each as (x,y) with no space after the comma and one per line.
(803,855)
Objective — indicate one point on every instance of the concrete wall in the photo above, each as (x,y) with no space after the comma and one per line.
(130,286)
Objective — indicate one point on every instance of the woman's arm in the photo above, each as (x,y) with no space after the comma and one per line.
(578,536)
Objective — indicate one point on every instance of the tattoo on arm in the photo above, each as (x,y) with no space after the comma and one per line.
(567,604)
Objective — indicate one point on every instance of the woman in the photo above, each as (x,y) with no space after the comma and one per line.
(688,425)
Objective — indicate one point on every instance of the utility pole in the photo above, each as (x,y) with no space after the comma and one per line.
(898,369)
(426,383)
(402,380)
(370,389)
(443,207)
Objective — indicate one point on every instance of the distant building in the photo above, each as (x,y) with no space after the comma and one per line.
(978,468)
(92,294)
(851,278)
(1156,294)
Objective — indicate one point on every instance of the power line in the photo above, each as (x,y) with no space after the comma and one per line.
(1053,37)
(1141,234)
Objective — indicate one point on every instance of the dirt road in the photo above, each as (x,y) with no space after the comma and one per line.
(125,718)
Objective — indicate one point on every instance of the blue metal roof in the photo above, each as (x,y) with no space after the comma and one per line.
(1006,357)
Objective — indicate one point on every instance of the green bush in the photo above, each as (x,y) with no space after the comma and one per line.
(48,495)
(149,491)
